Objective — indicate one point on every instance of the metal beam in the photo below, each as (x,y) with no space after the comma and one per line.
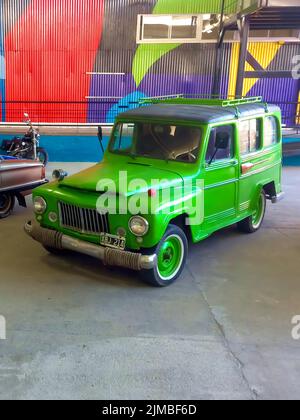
(244,29)
(265,74)
(253,62)
(219,55)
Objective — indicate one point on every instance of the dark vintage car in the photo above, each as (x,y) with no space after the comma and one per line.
(17,179)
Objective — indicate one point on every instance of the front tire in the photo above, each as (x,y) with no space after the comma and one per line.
(7,204)
(171,258)
(253,223)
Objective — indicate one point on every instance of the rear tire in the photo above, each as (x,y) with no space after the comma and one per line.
(7,204)
(171,258)
(253,223)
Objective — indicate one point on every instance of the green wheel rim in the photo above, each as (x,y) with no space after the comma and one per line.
(170,257)
(259,212)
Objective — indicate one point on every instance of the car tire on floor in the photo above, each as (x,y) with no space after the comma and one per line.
(171,254)
(7,204)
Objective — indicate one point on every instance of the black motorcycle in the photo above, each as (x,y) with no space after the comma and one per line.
(26,147)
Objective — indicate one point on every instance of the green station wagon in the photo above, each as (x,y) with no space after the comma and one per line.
(175,172)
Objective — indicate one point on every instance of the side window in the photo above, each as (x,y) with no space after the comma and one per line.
(271,131)
(250,136)
(227,151)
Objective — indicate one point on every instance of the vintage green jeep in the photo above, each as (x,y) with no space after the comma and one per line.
(175,171)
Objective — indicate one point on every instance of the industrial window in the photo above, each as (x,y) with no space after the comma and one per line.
(271,131)
(250,136)
(169,28)
(275,34)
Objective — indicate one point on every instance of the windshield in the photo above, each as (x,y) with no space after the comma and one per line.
(157,141)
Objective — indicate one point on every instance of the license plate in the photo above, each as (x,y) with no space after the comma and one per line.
(112,241)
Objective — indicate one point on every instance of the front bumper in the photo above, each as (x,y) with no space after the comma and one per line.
(109,256)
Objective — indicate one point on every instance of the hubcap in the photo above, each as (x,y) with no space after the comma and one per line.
(259,212)
(170,257)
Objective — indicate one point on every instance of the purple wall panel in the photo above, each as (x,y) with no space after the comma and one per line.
(283,92)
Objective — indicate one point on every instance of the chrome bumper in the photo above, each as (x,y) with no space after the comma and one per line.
(108,256)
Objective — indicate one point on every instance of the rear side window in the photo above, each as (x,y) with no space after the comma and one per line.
(250,136)
(214,154)
(271,131)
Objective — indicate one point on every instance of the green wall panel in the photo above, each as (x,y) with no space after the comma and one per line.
(147,54)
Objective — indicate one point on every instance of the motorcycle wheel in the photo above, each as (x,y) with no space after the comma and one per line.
(7,204)
(42,155)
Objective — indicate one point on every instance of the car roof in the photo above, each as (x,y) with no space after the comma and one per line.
(204,114)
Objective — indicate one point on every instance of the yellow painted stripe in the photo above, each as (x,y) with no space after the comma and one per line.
(263,52)
(298,111)
(233,69)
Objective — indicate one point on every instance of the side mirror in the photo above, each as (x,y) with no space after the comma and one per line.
(100,137)
(100,133)
(222,140)
(59,174)
(222,143)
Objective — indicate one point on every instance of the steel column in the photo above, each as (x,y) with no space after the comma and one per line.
(244,29)
(219,56)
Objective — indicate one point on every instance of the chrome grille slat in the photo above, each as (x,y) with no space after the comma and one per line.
(85,223)
(78,216)
(69,216)
(102,220)
(94,218)
(94,228)
(99,221)
(73,216)
(88,220)
(83,220)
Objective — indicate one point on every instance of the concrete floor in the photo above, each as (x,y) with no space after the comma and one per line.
(78,330)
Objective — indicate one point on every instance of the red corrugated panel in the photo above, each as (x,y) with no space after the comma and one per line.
(48,52)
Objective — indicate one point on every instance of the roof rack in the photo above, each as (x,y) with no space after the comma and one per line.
(243,101)
(159,99)
(180,99)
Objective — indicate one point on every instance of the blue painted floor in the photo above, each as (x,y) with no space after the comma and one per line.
(71,148)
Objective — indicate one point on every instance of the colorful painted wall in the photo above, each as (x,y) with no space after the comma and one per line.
(51,50)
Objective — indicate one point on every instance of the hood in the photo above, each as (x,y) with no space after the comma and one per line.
(95,178)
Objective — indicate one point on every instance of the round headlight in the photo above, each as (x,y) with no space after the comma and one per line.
(138,226)
(39,205)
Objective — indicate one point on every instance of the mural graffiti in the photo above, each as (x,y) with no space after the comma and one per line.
(78,61)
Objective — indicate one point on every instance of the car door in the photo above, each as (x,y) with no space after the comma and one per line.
(221,178)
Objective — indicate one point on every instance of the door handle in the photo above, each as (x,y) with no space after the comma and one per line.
(234,162)
(246,167)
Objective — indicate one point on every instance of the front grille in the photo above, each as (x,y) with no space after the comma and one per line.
(83,220)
